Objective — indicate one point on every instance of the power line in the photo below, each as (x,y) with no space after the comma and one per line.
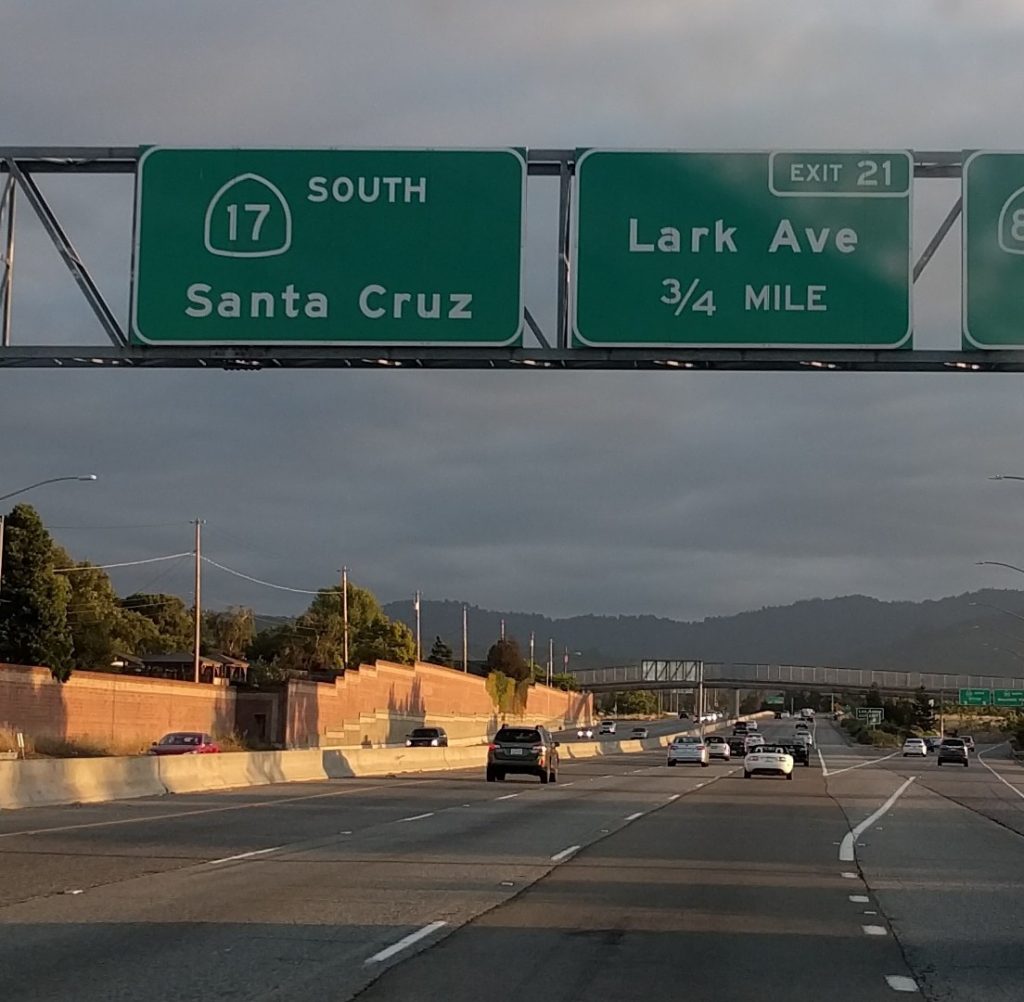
(127,563)
(105,528)
(267,584)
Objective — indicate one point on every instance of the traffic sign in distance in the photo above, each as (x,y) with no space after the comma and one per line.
(743,249)
(377,247)
(993,250)
(975,697)
(1008,697)
(775,701)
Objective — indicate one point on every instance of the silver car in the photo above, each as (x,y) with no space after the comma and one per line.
(686,748)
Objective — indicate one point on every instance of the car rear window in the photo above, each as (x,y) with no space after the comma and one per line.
(424,732)
(518,735)
(952,743)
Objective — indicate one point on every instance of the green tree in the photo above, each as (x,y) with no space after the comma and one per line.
(441,654)
(94,615)
(638,701)
(874,697)
(173,620)
(924,714)
(33,614)
(566,681)
(230,631)
(504,656)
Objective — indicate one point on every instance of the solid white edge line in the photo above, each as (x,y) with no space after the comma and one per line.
(416,817)
(565,853)
(244,855)
(901,983)
(861,765)
(633,817)
(846,850)
(508,796)
(874,930)
(824,768)
(1005,782)
(406,941)
(859,899)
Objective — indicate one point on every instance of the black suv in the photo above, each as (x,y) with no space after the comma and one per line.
(952,750)
(426,737)
(523,749)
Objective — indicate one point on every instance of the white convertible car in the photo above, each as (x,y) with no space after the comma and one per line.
(771,759)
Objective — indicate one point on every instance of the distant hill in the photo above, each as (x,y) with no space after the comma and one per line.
(947,634)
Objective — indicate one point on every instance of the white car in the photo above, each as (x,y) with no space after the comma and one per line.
(751,725)
(585,733)
(771,759)
(915,746)
(718,747)
(639,733)
(752,742)
(687,748)
(607,727)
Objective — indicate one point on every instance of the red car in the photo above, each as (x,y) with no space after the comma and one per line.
(184,743)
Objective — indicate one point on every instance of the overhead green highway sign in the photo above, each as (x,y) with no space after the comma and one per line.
(1008,697)
(774,700)
(785,249)
(993,249)
(292,247)
(975,697)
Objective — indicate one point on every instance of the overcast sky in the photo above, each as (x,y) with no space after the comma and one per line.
(679,494)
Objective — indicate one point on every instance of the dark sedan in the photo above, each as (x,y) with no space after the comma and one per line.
(799,750)
(426,737)
(184,743)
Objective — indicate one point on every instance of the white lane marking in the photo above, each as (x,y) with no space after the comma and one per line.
(245,855)
(416,817)
(996,774)
(406,941)
(633,817)
(849,876)
(846,852)
(874,930)
(824,768)
(248,805)
(901,983)
(564,785)
(860,899)
(508,796)
(565,853)
(869,913)
(675,796)
(861,765)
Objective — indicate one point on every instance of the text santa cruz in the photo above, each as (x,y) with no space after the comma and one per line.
(720,238)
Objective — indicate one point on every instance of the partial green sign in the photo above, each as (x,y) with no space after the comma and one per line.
(975,697)
(376,247)
(1008,697)
(775,701)
(993,250)
(769,250)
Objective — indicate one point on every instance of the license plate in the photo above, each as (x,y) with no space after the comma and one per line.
(516,751)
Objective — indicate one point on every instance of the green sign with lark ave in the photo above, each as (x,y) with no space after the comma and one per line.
(795,249)
(975,697)
(376,247)
(1008,697)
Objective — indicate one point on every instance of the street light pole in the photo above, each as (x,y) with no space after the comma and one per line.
(419,646)
(344,610)
(465,639)
(198,626)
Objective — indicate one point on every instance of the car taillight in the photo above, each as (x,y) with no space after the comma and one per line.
(492,747)
(701,747)
(538,750)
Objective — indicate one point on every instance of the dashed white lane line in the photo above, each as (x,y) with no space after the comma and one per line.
(416,817)
(849,876)
(859,899)
(901,983)
(846,850)
(406,941)
(508,796)
(564,785)
(244,855)
(996,774)
(633,817)
(565,854)
(874,930)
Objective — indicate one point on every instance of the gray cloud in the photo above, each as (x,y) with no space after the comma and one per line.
(681,494)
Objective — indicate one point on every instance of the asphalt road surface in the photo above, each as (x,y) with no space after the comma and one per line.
(624,879)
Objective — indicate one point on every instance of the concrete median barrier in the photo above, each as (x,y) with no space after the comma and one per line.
(42,782)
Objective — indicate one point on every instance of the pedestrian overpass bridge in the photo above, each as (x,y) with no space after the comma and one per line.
(743,675)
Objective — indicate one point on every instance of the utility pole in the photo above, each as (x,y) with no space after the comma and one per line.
(344,608)
(551,658)
(1,552)
(502,633)
(700,699)
(419,646)
(531,650)
(197,636)
(465,639)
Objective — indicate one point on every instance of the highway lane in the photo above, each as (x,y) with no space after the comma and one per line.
(354,872)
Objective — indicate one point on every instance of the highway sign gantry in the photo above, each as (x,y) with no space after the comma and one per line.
(993,250)
(768,250)
(293,247)
(975,697)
